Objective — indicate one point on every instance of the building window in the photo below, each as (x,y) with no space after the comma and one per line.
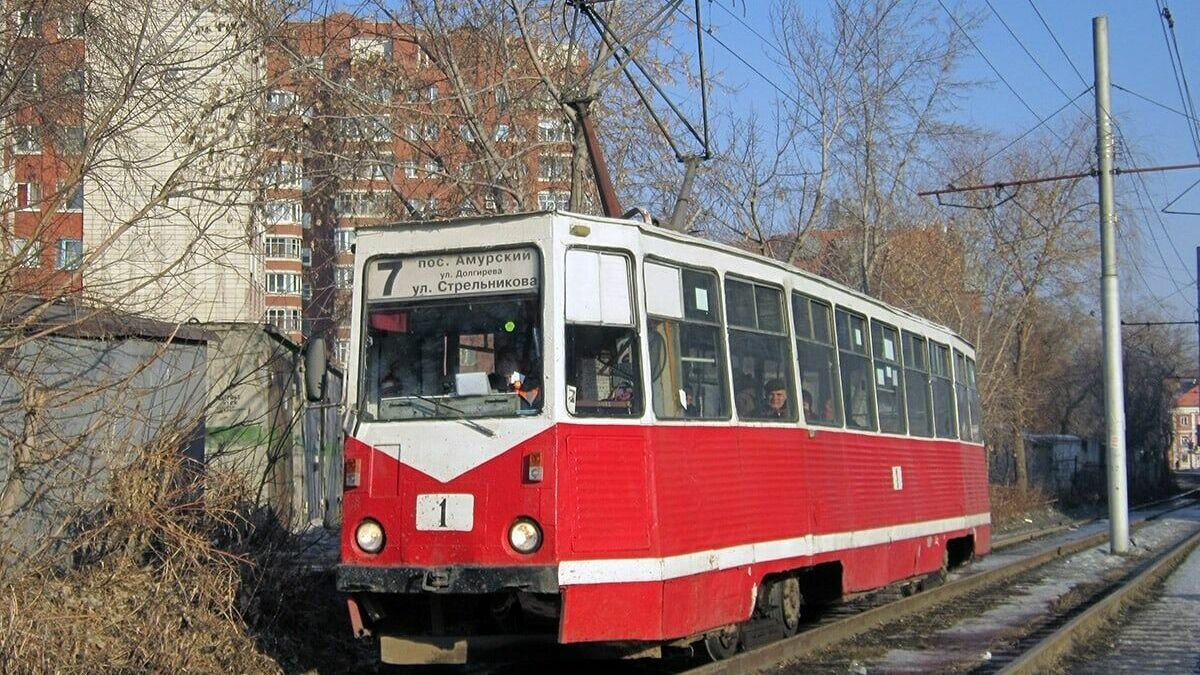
(70,253)
(284,175)
(27,139)
(502,132)
(431,93)
(359,204)
(410,168)
(31,81)
(72,201)
(287,248)
(467,133)
(553,131)
(344,276)
(72,25)
(423,58)
(554,167)
(342,351)
(430,131)
(280,102)
(29,23)
(71,140)
(306,256)
(371,48)
(283,211)
(548,200)
(28,252)
(378,129)
(412,132)
(283,283)
(501,99)
(285,319)
(433,167)
(343,239)
(74,81)
(306,291)
(29,196)
(489,201)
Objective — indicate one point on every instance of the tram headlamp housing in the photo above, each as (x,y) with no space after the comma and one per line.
(525,536)
(369,536)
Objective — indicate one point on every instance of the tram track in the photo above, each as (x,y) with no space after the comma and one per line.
(1045,653)
(970,592)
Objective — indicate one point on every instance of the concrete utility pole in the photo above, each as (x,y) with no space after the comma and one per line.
(1114,379)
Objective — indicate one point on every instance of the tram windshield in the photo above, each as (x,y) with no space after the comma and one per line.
(453,336)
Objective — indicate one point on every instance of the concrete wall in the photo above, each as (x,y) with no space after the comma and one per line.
(261,426)
(1072,469)
(73,408)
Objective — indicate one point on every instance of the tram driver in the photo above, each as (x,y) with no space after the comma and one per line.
(517,379)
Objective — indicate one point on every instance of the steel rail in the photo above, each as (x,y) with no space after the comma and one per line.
(1045,654)
(770,655)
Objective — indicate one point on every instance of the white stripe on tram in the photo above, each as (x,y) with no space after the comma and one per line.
(626,570)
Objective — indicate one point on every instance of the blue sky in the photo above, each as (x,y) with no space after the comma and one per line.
(1161,278)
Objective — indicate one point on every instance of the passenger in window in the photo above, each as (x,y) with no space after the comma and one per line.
(807,401)
(622,392)
(777,399)
(747,395)
(859,412)
(691,406)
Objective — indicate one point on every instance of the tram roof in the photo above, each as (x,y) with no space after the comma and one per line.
(663,232)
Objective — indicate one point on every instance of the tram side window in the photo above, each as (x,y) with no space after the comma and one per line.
(960,395)
(943,390)
(759,352)
(687,357)
(603,376)
(857,396)
(889,386)
(916,385)
(968,398)
(973,402)
(820,390)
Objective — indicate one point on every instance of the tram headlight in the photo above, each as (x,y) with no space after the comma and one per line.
(369,536)
(525,536)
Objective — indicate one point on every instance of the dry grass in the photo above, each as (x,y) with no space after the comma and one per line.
(1013,507)
(167,571)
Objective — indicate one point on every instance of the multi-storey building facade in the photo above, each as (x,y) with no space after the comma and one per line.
(112,148)
(374,128)
(1185,416)
(354,123)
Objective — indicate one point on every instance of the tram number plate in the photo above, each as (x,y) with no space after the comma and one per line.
(446,512)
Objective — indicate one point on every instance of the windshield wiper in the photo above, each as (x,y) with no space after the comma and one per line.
(461,417)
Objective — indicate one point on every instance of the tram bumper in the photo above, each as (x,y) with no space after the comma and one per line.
(411,650)
(469,579)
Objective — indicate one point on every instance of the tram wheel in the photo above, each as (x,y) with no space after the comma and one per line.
(722,644)
(790,600)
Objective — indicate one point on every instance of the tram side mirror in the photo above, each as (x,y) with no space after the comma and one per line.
(316,367)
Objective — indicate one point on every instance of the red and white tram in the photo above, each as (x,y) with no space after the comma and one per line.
(588,430)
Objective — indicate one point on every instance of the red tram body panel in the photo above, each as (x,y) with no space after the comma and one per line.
(665,532)
(648,529)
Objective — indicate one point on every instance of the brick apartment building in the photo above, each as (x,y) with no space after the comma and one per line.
(363,126)
(1185,419)
(101,198)
(372,131)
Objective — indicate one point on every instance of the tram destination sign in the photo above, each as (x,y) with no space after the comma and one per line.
(445,274)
